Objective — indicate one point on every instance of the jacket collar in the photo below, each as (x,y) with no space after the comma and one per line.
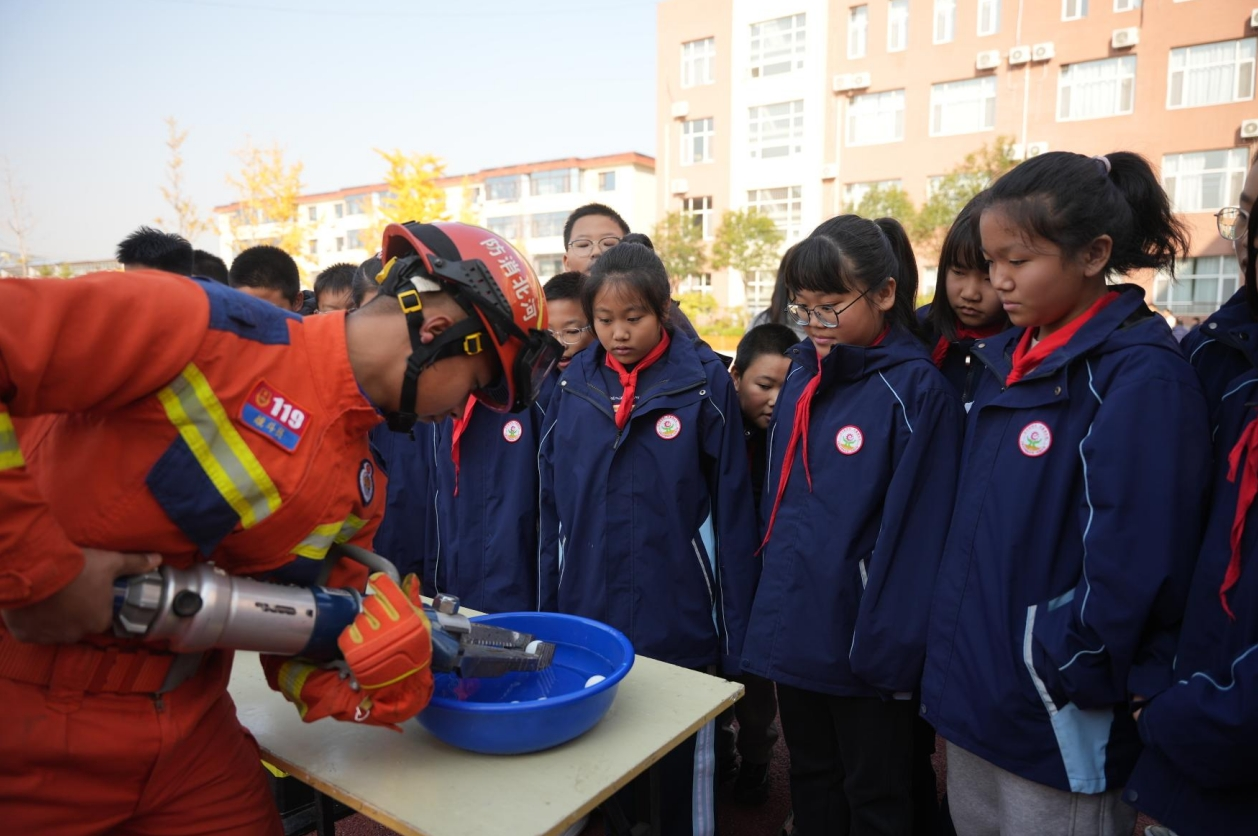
(679,368)
(332,373)
(850,362)
(1234,326)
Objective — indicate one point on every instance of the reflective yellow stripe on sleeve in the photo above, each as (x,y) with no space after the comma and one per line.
(10,453)
(316,544)
(203,424)
(349,528)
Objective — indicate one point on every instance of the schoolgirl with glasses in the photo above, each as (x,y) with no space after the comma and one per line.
(863,456)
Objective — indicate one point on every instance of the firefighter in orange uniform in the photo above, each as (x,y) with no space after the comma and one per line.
(149,418)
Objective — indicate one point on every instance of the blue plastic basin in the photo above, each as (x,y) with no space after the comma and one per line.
(528,712)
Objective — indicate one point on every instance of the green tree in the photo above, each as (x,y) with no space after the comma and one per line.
(889,202)
(747,241)
(678,241)
(958,187)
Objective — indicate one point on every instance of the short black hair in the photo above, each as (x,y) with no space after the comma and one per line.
(563,286)
(636,267)
(335,279)
(266,266)
(210,266)
(592,209)
(365,279)
(638,238)
(769,338)
(148,247)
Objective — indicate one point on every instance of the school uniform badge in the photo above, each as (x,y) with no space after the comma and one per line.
(367,481)
(512,431)
(274,417)
(668,427)
(849,440)
(1035,439)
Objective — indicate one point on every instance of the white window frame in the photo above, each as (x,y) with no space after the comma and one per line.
(760,286)
(1176,177)
(887,107)
(692,130)
(699,209)
(765,54)
(701,283)
(1074,9)
(854,193)
(898,26)
(1072,89)
(993,8)
(698,55)
(944,27)
(1242,75)
(858,31)
(955,90)
(785,210)
(1126,5)
(776,127)
(1180,297)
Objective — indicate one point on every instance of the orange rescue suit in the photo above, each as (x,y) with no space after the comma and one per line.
(144,412)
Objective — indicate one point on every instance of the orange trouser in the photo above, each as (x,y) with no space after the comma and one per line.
(73,764)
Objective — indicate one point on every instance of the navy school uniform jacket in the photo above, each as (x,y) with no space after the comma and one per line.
(1066,569)
(1198,773)
(487,552)
(1219,348)
(845,589)
(650,530)
(960,368)
(407,533)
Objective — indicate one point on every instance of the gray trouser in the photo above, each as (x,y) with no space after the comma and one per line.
(985,800)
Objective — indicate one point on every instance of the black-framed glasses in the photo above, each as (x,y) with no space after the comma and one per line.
(827,315)
(585,245)
(569,336)
(1231,221)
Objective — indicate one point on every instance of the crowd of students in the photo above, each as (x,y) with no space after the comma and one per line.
(1018,516)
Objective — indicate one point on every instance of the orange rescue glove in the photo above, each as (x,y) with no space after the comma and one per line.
(388,650)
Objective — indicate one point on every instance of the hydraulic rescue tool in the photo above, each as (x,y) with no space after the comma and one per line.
(203,607)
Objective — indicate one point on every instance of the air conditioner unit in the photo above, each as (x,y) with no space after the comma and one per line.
(1034,149)
(1124,38)
(680,110)
(1019,55)
(987,60)
(829,171)
(1017,151)
(851,81)
(841,82)
(1253,19)
(1249,129)
(680,186)
(1042,52)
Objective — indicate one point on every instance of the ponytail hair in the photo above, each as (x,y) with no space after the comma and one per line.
(1071,199)
(850,254)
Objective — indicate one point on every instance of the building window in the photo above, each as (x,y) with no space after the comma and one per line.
(1074,9)
(988,17)
(857,31)
(548,265)
(312,247)
(353,239)
(876,118)
(854,193)
(1210,74)
(760,289)
(546,224)
(340,210)
(502,188)
(313,213)
(1204,181)
(340,243)
(945,29)
(898,26)
(1126,5)
(558,181)
(701,283)
(697,58)
(963,107)
(508,227)
(1202,285)
(699,210)
(777,46)
(356,204)
(782,205)
(607,181)
(696,141)
(776,130)
(1096,89)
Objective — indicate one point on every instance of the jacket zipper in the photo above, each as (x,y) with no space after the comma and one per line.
(703,571)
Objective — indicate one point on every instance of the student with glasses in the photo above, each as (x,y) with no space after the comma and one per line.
(590,231)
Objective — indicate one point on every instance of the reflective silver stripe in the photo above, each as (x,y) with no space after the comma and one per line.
(317,542)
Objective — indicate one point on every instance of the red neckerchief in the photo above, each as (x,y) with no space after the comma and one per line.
(1247,444)
(460,424)
(941,347)
(799,433)
(629,379)
(1027,359)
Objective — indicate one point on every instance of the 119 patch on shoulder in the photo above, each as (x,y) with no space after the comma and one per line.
(273,416)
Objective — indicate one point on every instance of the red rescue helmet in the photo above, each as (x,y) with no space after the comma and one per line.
(494,284)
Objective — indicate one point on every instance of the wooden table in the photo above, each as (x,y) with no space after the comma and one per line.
(415,784)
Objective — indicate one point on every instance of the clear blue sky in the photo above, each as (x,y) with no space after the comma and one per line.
(85,87)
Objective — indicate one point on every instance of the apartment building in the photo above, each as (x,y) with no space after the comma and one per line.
(527,204)
(801,107)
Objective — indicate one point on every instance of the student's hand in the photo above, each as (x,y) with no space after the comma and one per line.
(82,607)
